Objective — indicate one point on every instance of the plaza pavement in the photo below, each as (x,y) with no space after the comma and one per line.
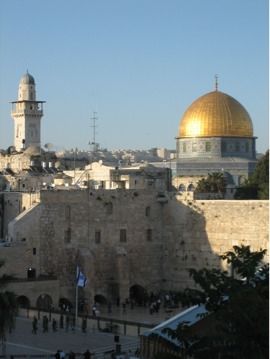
(22,341)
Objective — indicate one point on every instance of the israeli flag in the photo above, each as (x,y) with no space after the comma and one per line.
(81,278)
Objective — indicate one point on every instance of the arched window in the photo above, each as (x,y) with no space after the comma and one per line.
(191,188)
(184,147)
(182,188)
(147,211)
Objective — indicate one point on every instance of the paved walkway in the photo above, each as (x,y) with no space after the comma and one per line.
(22,341)
(139,314)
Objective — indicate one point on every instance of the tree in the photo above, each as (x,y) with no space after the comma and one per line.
(8,309)
(257,186)
(213,183)
(238,303)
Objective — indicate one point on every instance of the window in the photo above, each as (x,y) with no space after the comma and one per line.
(237,147)
(191,188)
(34,251)
(247,147)
(182,188)
(147,211)
(207,146)
(149,235)
(194,147)
(224,147)
(67,235)
(97,236)
(123,235)
(67,212)
(184,147)
(109,208)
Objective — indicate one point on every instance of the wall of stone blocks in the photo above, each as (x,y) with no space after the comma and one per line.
(196,232)
(184,234)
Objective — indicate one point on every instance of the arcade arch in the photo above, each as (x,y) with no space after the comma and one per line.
(23,301)
(138,294)
(44,302)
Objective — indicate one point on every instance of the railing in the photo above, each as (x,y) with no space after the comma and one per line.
(94,324)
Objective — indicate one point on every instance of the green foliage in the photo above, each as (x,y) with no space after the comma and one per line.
(257,186)
(163,355)
(8,311)
(239,305)
(8,308)
(213,183)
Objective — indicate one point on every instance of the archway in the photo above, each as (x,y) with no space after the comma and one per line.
(191,188)
(23,301)
(182,188)
(100,299)
(44,302)
(138,294)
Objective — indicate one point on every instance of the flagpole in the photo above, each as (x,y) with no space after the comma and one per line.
(76,296)
(76,304)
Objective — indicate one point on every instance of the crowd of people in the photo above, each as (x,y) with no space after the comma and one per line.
(60,354)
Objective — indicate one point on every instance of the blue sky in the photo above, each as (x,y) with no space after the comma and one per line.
(138,63)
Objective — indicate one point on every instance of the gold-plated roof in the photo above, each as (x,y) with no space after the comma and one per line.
(215,114)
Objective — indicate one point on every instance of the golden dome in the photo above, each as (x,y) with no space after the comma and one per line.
(215,114)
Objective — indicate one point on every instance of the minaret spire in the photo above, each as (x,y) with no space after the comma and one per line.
(216,82)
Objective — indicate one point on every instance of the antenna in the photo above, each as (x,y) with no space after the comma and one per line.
(94,127)
(216,82)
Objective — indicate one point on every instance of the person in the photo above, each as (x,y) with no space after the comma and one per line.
(87,354)
(61,321)
(84,325)
(57,354)
(54,325)
(94,311)
(45,323)
(34,325)
(73,322)
(67,322)
(71,355)
(62,354)
(109,307)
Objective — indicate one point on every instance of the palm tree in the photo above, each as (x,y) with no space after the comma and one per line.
(213,183)
(8,309)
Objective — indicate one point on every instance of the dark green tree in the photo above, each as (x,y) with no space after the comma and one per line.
(257,186)
(213,183)
(8,309)
(238,303)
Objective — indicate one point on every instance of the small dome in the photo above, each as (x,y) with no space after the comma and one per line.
(27,79)
(215,114)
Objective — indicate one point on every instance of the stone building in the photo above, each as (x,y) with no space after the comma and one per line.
(99,175)
(215,135)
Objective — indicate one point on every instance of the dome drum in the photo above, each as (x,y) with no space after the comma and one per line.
(216,147)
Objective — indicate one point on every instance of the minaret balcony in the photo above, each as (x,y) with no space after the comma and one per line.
(28,112)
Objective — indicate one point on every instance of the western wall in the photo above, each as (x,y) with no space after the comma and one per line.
(127,238)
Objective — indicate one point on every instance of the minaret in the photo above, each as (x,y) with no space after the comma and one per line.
(27,113)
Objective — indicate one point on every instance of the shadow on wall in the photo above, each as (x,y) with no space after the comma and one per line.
(186,243)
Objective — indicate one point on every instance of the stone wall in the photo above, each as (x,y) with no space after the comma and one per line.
(197,232)
(122,238)
(12,204)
